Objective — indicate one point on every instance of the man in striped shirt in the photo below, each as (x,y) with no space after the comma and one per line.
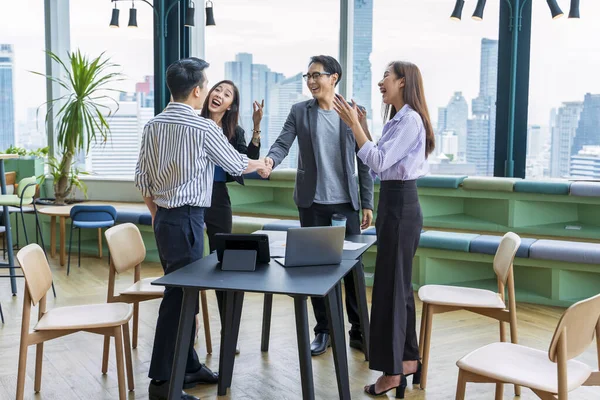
(174,172)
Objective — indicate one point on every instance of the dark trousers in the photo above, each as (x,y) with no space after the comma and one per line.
(218,219)
(320,215)
(393,320)
(179,236)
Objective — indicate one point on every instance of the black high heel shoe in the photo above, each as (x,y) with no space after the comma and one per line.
(416,380)
(400,389)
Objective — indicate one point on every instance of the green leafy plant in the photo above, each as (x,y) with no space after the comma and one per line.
(81,115)
(16,150)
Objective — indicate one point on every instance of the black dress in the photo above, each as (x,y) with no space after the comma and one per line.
(218,218)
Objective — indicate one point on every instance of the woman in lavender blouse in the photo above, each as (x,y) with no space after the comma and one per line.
(399,159)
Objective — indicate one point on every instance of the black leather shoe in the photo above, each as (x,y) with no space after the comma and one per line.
(356,343)
(161,392)
(203,376)
(320,344)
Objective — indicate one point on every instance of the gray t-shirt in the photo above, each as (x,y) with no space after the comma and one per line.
(331,185)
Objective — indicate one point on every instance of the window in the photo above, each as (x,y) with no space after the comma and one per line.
(132,50)
(21,92)
(264,46)
(458,61)
(563,138)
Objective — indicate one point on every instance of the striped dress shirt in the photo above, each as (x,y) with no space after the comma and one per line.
(400,153)
(178,155)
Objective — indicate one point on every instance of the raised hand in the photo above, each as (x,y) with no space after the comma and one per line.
(258,112)
(348,113)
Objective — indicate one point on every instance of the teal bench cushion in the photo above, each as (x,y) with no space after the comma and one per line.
(559,250)
(586,189)
(493,184)
(543,187)
(487,244)
(447,240)
(282,225)
(441,181)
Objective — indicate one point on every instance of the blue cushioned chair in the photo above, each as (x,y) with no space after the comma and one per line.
(89,217)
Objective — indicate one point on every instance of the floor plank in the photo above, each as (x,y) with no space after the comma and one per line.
(72,365)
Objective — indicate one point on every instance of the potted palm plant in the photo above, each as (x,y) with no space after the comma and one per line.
(81,115)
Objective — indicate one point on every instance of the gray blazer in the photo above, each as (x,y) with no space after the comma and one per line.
(302,123)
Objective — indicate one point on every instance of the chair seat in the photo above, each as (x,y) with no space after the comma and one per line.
(145,287)
(93,224)
(523,366)
(13,200)
(460,297)
(86,316)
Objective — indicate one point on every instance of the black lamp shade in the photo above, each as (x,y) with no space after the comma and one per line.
(210,18)
(574,11)
(189,15)
(554,9)
(478,14)
(114,20)
(132,18)
(457,12)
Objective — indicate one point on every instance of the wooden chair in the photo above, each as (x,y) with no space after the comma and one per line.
(439,299)
(127,251)
(550,375)
(103,319)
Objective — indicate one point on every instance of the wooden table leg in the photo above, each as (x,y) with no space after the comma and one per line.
(53,236)
(99,242)
(63,234)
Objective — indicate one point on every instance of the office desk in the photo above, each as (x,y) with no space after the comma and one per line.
(272,278)
(359,285)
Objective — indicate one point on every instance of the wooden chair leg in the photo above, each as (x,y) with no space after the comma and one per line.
(206,322)
(99,242)
(461,386)
(426,345)
(105,352)
(423,327)
(502,332)
(39,355)
(118,333)
(514,339)
(136,315)
(128,362)
(22,371)
(499,391)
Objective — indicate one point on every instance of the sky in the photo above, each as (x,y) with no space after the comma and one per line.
(283,34)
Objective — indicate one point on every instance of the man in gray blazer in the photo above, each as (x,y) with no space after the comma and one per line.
(326,181)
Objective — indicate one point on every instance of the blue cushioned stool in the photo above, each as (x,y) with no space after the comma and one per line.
(559,250)
(447,240)
(282,225)
(487,244)
(89,217)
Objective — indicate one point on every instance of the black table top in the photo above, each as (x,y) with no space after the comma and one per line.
(267,278)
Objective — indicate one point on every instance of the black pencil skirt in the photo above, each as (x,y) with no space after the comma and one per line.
(393,320)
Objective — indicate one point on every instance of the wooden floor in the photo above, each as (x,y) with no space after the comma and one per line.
(72,364)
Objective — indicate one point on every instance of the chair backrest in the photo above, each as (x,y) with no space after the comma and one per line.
(126,246)
(99,213)
(36,270)
(27,188)
(10,177)
(505,255)
(579,323)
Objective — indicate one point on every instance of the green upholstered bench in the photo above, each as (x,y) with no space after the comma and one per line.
(447,240)
(488,183)
(249,224)
(441,181)
(542,187)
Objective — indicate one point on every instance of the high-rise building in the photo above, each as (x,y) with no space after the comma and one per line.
(535,141)
(283,96)
(240,73)
(454,118)
(118,156)
(7,110)
(586,163)
(588,130)
(563,131)
(362,47)
(481,130)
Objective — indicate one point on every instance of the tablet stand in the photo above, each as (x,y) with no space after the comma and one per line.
(239,260)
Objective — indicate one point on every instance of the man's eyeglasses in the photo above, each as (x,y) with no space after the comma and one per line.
(315,75)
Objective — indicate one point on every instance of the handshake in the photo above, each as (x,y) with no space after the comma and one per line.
(264,167)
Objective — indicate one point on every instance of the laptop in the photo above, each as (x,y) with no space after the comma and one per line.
(321,245)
